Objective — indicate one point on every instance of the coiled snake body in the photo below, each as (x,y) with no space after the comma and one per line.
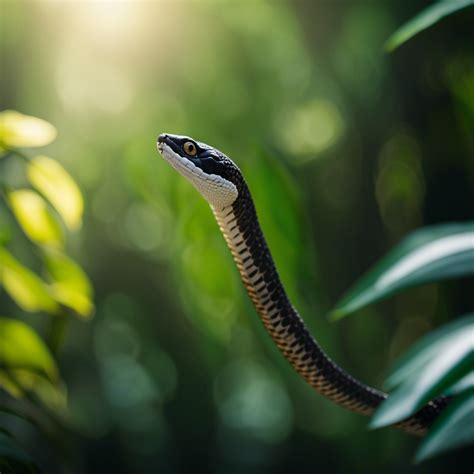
(221,183)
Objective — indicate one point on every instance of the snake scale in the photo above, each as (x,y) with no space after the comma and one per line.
(222,184)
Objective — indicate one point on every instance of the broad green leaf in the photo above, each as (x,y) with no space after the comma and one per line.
(454,428)
(13,457)
(415,359)
(18,130)
(427,255)
(451,359)
(57,185)
(426,18)
(24,286)
(70,285)
(35,218)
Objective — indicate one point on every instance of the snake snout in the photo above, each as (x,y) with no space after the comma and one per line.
(162,137)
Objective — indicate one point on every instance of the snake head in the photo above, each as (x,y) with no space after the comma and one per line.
(211,172)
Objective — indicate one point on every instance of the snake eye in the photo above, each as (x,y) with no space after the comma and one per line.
(190,148)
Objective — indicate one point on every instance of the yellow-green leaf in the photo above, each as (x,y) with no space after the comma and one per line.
(35,218)
(27,365)
(70,285)
(24,286)
(57,185)
(22,348)
(18,130)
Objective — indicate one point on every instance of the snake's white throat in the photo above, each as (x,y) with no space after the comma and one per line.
(216,190)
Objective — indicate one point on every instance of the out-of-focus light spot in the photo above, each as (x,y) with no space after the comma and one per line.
(459,75)
(143,417)
(286,49)
(109,200)
(115,336)
(399,185)
(126,382)
(356,53)
(216,316)
(163,370)
(120,306)
(212,304)
(144,227)
(337,183)
(250,400)
(233,94)
(104,88)
(107,20)
(86,406)
(310,129)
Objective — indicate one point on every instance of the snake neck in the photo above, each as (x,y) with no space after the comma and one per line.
(240,227)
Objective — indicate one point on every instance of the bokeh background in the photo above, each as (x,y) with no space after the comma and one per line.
(346,149)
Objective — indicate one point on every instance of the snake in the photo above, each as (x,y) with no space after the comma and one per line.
(219,180)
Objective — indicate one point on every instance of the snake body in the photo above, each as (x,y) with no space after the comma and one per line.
(236,216)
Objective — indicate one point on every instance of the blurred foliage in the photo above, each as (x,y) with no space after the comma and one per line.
(425,19)
(454,428)
(175,373)
(28,370)
(13,458)
(27,364)
(19,130)
(50,179)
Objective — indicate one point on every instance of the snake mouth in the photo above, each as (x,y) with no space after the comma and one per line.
(171,152)
(165,139)
(170,149)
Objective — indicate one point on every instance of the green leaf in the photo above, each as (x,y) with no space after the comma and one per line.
(466,383)
(426,18)
(427,255)
(26,365)
(13,457)
(454,428)
(24,286)
(20,415)
(70,285)
(5,228)
(18,130)
(57,185)
(415,359)
(22,348)
(35,218)
(451,358)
